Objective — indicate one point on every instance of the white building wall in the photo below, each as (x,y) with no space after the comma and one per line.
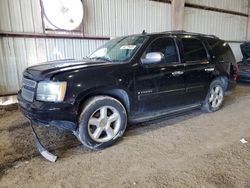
(233,5)
(102,18)
(16,54)
(228,27)
(123,17)
(21,16)
(235,46)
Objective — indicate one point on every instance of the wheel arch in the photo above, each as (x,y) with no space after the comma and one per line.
(119,94)
(224,79)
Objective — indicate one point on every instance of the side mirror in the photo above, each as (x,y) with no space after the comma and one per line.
(153,58)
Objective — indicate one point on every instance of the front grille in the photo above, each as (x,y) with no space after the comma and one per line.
(28,95)
(29,83)
(28,89)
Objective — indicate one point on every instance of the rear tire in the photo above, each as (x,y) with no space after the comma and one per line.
(102,122)
(215,97)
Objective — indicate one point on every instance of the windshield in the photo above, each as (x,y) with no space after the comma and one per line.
(119,49)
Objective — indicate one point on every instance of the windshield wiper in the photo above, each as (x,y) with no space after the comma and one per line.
(101,58)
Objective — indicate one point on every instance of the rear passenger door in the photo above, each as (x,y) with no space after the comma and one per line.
(198,69)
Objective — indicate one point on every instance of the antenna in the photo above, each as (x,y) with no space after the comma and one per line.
(144,32)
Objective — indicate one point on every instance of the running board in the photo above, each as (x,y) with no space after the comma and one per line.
(155,115)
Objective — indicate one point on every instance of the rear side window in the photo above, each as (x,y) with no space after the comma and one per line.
(221,51)
(193,50)
(166,46)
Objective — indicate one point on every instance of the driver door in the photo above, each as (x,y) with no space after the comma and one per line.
(160,86)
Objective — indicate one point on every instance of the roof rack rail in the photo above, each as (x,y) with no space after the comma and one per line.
(176,31)
(212,36)
(190,33)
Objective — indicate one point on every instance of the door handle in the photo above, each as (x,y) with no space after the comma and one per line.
(209,69)
(204,62)
(177,73)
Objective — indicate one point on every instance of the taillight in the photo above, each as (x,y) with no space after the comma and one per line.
(235,71)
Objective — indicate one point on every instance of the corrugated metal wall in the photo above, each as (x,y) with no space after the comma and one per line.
(236,49)
(21,16)
(102,18)
(122,17)
(18,53)
(233,5)
(227,26)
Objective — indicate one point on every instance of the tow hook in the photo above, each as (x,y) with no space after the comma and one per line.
(45,153)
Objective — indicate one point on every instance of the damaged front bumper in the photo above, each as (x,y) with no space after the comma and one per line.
(45,153)
(59,115)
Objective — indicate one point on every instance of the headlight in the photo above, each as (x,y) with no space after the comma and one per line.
(51,91)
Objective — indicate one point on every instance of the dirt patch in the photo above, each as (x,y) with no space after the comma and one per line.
(17,141)
(5,110)
(192,150)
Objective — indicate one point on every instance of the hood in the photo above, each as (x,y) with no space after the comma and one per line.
(245,50)
(48,69)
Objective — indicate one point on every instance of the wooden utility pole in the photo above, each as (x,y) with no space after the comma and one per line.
(177,14)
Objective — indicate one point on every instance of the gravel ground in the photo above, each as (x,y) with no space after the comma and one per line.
(192,150)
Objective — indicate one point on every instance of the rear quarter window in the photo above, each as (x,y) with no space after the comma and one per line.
(221,51)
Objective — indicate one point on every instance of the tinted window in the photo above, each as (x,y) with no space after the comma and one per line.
(119,49)
(167,47)
(193,50)
(221,50)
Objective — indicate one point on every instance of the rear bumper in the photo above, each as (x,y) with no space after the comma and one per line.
(60,115)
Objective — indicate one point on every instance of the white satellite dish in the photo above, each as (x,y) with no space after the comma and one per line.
(63,14)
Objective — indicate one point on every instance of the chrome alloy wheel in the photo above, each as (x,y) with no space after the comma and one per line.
(104,124)
(216,96)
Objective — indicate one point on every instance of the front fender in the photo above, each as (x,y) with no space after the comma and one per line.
(120,94)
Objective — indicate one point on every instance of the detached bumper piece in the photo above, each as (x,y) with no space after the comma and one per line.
(45,153)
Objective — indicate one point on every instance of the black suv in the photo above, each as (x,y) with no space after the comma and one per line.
(129,79)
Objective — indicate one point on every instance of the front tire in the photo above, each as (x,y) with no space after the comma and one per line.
(215,97)
(102,122)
